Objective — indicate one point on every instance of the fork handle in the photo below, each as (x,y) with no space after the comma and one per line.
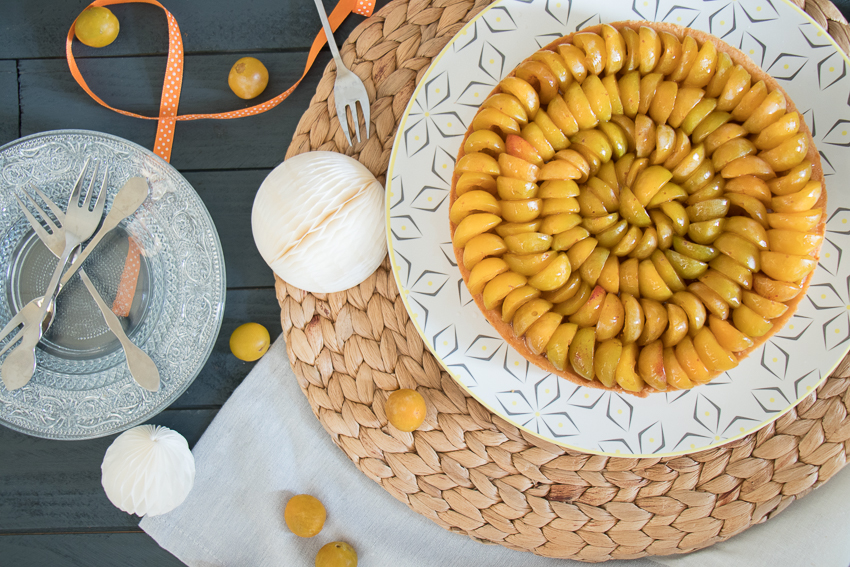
(329,34)
(19,366)
(142,368)
(53,288)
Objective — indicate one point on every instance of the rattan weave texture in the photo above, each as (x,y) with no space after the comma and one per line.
(472,472)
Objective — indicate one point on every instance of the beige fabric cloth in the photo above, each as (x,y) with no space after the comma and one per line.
(265,446)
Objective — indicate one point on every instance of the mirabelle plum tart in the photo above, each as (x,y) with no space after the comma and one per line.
(637,207)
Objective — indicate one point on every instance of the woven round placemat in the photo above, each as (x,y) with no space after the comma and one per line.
(467,469)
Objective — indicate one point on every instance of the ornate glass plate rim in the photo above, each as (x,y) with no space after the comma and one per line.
(57,405)
(766,385)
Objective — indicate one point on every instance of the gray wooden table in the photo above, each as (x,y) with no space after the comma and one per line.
(53,511)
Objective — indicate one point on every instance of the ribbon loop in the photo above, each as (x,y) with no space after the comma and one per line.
(172,84)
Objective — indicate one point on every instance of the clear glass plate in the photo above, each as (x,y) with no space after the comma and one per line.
(82,387)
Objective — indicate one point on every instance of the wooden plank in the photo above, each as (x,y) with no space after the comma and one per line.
(223,372)
(9,123)
(85,550)
(229,197)
(50,99)
(37,28)
(55,485)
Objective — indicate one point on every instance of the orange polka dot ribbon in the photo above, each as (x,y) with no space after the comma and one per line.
(172,84)
(129,278)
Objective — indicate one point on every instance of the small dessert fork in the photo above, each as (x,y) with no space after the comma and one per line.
(348,88)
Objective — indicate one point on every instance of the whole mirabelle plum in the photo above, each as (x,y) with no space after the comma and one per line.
(406,409)
(248,78)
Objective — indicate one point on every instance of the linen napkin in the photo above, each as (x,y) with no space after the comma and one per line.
(265,446)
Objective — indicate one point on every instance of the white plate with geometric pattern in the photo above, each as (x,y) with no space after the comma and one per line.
(782,40)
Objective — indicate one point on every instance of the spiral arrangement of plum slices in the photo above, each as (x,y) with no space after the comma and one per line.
(637,208)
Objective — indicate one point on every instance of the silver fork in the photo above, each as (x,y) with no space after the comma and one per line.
(79,224)
(142,368)
(348,88)
(55,241)
(126,201)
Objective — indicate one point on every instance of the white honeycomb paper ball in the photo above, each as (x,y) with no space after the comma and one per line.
(148,470)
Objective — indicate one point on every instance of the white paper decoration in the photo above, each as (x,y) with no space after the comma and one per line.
(318,222)
(148,470)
